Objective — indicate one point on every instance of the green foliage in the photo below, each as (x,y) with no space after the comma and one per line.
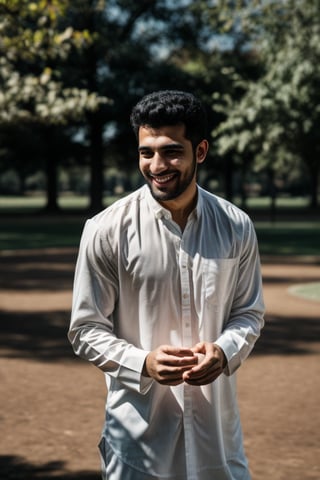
(257,62)
(34,46)
(276,120)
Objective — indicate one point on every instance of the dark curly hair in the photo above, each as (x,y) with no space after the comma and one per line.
(171,107)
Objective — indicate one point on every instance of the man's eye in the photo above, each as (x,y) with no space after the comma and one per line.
(173,153)
(146,154)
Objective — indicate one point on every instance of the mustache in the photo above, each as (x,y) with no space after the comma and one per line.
(163,174)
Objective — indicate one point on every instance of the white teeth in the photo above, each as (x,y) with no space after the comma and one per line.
(162,179)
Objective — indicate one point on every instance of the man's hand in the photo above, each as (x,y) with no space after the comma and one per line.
(212,362)
(167,364)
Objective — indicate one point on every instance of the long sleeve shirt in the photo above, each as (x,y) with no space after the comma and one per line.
(141,282)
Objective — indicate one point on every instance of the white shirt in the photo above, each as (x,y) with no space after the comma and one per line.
(139,283)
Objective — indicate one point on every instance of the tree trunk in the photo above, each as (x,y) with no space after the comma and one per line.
(243,186)
(22,182)
(94,120)
(273,194)
(314,187)
(96,165)
(51,172)
(228,177)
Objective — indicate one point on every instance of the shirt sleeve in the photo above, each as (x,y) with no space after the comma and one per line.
(95,294)
(245,321)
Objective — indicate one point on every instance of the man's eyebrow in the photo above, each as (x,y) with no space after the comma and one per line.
(143,147)
(175,146)
(168,146)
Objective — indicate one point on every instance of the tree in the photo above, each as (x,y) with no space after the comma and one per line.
(33,48)
(276,120)
(131,53)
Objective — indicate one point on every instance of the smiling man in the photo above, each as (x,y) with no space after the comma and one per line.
(168,304)
(168,162)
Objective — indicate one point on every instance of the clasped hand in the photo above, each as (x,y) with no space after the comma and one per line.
(198,365)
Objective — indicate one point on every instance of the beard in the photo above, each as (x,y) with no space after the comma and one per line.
(176,187)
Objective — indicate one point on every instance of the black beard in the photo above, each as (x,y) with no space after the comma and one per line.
(172,195)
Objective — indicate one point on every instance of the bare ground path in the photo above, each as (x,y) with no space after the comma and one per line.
(52,403)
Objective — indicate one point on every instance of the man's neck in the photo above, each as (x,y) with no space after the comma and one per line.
(182,206)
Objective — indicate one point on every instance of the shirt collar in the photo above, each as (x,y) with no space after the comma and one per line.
(199,208)
(161,212)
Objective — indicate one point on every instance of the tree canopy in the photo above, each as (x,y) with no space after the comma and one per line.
(276,120)
(78,67)
(34,47)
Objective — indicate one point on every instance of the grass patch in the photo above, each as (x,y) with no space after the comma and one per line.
(30,204)
(264,203)
(288,238)
(309,291)
(40,231)
(24,226)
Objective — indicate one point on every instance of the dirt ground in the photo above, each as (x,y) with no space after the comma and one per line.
(52,403)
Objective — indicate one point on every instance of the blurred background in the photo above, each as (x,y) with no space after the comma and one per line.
(70,73)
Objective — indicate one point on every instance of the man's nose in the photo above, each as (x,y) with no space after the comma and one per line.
(158,163)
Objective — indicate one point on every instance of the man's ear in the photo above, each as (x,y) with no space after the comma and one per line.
(201,151)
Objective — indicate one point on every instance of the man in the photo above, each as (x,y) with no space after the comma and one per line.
(168,303)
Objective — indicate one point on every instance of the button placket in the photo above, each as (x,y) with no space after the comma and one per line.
(187,340)
(185,298)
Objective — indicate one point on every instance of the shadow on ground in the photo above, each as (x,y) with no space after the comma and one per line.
(38,271)
(35,335)
(43,336)
(288,336)
(13,467)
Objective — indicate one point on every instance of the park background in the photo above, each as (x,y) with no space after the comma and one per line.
(70,73)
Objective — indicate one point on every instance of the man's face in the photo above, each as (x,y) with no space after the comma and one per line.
(167,161)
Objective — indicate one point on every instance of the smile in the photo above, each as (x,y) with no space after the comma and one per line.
(163,178)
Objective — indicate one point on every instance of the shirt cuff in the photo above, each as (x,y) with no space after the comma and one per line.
(231,351)
(130,372)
